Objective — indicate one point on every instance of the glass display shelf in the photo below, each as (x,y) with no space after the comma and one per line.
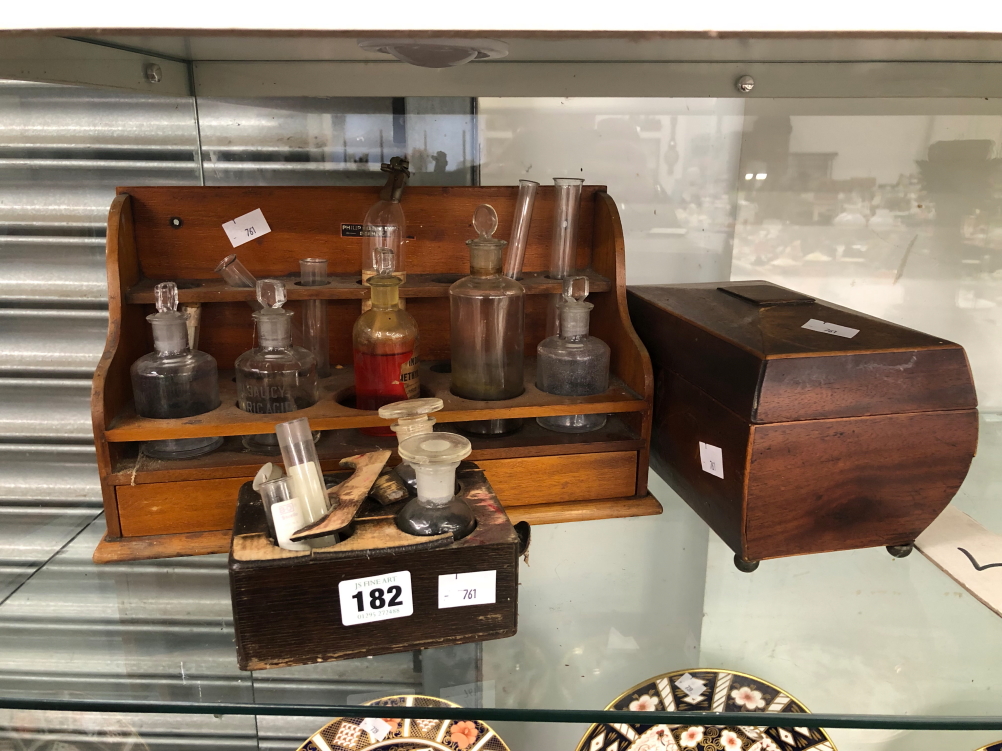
(603,606)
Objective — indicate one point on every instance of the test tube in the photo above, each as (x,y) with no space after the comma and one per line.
(285,513)
(567,201)
(236,274)
(299,454)
(520,228)
(316,337)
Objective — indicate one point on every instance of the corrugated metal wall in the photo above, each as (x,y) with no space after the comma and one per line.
(70,628)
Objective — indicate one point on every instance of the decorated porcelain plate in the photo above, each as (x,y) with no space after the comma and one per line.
(393,734)
(704,690)
(992,747)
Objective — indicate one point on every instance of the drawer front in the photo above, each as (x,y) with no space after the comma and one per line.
(161,508)
(204,505)
(571,477)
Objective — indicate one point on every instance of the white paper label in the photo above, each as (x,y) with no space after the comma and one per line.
(245,228)
(375,727)
(471,588)
(376,598)
(712,459)
(693,687)
(288,519)
(830,328)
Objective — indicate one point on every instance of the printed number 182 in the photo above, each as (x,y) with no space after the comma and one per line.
(377,598)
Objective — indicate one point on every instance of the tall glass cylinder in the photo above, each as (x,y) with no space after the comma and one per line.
(563,246)
(487,336)
(316,336)
(520,228)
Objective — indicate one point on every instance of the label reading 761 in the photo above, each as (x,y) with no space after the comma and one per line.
(376,598)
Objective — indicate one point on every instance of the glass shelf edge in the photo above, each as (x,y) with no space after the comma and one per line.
(763,719)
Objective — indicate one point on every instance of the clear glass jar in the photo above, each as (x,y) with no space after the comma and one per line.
(174,381)
(487,339)
(572,363)
(275,377)
(436,510)
(385,346)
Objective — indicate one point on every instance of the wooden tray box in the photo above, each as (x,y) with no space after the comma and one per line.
(185,507)
(286,606)
(827,442)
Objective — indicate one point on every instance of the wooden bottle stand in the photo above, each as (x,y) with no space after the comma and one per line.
(158,509)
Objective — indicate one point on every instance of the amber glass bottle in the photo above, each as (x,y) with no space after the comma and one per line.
(385,345)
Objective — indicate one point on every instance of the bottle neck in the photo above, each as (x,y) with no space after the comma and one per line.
(384,296)
(574,321)
(274,328)
(170,333)
(485,257)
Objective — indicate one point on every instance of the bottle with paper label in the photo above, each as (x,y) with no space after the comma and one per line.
(284,513)
(385,345)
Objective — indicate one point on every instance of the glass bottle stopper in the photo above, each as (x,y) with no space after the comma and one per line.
(574,311)
(413,416)
(166,297)
(485,221)
(271,293)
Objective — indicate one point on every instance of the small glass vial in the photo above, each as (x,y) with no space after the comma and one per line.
(284,513)
(235,274)
(174,381)
(385,346)
(487,338)
(299,455)
(413,417)
(436,510)
(573,363)
(274,377)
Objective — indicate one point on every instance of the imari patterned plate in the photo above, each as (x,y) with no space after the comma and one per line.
(391,734)
(704,690)
(992,747)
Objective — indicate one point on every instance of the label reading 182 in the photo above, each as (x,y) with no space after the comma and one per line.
(376,598)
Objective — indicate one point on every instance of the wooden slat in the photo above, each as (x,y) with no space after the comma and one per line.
(344,287)
(233,460)
(584,511)
(546,479)
(329,414)
(120,550)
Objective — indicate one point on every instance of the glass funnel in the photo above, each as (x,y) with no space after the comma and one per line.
(274,377)
(436,510)
(174,381)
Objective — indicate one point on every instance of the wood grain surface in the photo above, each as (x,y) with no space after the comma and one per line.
(548,479)
(173,507)
(822,485)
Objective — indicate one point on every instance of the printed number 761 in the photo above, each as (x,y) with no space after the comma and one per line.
(250,231)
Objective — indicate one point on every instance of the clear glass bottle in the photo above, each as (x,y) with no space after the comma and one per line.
(316,334)
(385,227)
(487,340)
(572,363)
(384,345)
(274,377)
(413,417)
(436,510)
(174,381)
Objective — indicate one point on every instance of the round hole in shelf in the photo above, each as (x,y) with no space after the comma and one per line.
(442,366)
(309,286)
(446,278)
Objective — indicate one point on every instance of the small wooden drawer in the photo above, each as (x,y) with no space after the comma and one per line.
(568,477)
(159,508)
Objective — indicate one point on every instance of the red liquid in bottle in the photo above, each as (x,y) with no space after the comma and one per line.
(384,378)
